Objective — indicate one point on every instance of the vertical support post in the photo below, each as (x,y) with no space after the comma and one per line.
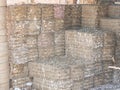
(4,64)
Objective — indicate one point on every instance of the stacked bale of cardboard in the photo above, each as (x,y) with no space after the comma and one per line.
(76,47)
(72,16)
(76,15)
(59,34)
(20,83)
(108,54)
(114,11)
(16,34)
(90,16)
(46,37)
(91,44)
(33,30)
(23,29)
(112,24)
(45,77)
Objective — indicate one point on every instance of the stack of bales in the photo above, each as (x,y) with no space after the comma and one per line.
(113,24)
(87,44)
(91,15)
(46,37)
(108,54)
(114,11)
(23,29)
(16,31)
(52,74)
(59,34)
(33,30)
(91,44)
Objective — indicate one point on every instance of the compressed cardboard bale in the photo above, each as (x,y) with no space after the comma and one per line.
(18,12)
(46,52)
(47,84)
(59,11)
(59,24)
(114,11)
(75,65)
(90,16)
(88,83)
(34,12)
(15,41)
(47,68)
(70,45)
(21,57)
(108,77)
(68,16)
(59,43)
(117,52)
(18,70)
(76,22)
(116,77)
(92,69)
(77,85)
(106,64)
(118,39)
(76,11)
(90,10)
(31,41)
(46,45)
(109,38)
(33,27)
(46,39)
(77,43)
(76,15)
(103,10)
(20,82)
(18,27)
(98,80)
(87,22)
(33,54)
(47,11)
(108,52)
(110,24)
(48,25)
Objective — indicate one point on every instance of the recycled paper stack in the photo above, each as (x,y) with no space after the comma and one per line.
(76,12)
(114,11)
(46,45)
(91,45)
(50,74)
(85,43)
(72,16)
(59,35)
(90,16)
(59,15)
(112,24)
(23,29)
(20,83)
(18,70)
